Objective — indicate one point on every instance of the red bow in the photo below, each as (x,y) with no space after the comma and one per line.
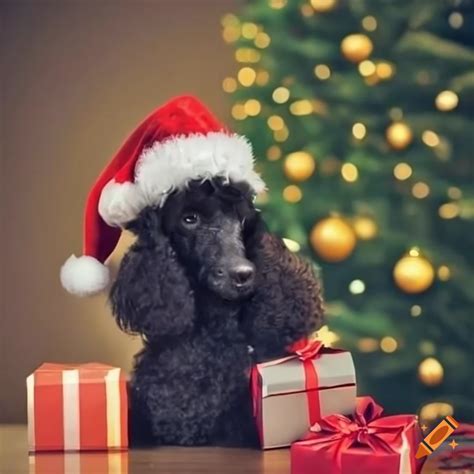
(366,427)
(305,349)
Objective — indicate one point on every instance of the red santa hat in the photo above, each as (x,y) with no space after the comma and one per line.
(178,142)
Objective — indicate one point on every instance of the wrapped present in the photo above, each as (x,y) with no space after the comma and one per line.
(365,443)
(292,393)
(77,407)
(91,462)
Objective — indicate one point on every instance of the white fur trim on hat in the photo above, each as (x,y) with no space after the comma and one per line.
(171,164)
(84,276)
(120,202)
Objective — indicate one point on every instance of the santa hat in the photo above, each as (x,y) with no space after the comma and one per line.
(179,142)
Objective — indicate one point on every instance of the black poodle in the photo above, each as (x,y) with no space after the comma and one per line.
(211,292)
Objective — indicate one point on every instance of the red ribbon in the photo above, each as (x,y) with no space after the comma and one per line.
(306,351)
(337,433)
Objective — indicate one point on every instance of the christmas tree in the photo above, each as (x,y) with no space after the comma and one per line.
(360,113)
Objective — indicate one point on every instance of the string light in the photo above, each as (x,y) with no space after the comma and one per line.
(396,114)
(322,72)
(301,107)
(427,348)
(444,273)
(388,344)
(367,344)
(246,76)
(384,70)
(435,410)
(415,310)
(229,20)
(229,84)
(444,150)
(275,122)
(330,166)
(231,33)
(359,130)
(247,55)
(365,228)
(292,193)
(446,100)
(274,153)
(424,78)
(306,10)
(399,135)
(299,166)
(349,172)
(281,135)
(249,30)
(322,6)
(454,192)
(262,77)
(357,287)
(450,210)
(356,47)
(372,80)
(420,190)
(252,107)
(455,20)
(367,68)
(281,95)
(262,40)
(238,111)
(319,107)
(402,171)
(292,245)
(431,371)
(369,23)
(430,138)
(277,4)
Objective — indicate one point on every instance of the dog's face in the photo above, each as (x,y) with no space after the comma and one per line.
(206,225)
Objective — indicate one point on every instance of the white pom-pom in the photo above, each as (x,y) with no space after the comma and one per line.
(84,276)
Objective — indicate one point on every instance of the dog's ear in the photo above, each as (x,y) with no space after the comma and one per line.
(151,294)
(254,229)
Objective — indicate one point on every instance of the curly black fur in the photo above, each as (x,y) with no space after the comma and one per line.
(177,287)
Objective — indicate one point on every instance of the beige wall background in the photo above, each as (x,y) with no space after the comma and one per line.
(77,76)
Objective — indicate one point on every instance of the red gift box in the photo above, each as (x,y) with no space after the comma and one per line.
(364,443)
(77,407)
(292,393)
(99,462)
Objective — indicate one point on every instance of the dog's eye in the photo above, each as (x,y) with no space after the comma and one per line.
(190,219)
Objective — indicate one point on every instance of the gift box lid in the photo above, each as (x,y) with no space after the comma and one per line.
(333,369)
(90,372)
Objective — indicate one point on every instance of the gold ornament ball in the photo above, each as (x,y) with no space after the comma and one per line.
(399,135)
(333,239)
(413,274)
(322,6)
(431,372)
(357,47)
(299,166)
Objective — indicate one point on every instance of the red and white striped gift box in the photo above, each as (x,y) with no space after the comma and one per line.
(90,462)
(77,407)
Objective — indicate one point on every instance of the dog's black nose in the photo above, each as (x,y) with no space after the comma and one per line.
(242,274)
